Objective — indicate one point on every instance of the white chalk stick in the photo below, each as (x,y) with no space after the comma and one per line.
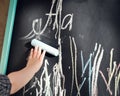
(45,47)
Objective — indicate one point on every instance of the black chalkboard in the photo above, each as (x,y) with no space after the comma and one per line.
(86,32)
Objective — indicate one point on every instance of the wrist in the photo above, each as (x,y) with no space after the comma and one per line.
(31,70)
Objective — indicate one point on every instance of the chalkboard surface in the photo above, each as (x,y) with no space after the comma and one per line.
(87,34)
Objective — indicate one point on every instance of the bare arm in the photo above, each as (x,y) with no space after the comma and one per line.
(20,78)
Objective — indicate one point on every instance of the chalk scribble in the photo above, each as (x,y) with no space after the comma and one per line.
(57,86)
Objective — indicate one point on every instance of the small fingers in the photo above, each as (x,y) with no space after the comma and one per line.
(39,52)
(42,55)
(31,54)
(35,52)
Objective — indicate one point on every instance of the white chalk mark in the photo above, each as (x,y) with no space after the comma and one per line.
(112,73)
(82,60)
(117,83)
(57,24)
(111,61)
(69,23)
(95,46)
(95,71)
(74,66)
(73,70)
(30,35)
(75,62)
(57,82)
(47,90)
(117,69)
(98,66)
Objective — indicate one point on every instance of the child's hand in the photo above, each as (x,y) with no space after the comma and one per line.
(36,58)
